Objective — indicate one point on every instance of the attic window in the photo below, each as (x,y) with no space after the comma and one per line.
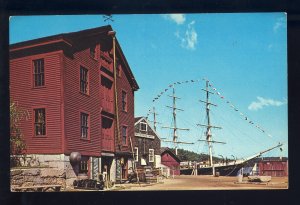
(143,126)
(93,51)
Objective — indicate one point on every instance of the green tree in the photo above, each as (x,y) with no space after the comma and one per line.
(17,143)
(185,155)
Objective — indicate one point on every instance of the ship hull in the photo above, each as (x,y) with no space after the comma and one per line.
(226,170)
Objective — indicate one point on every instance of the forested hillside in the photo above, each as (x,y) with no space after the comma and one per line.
(185,155)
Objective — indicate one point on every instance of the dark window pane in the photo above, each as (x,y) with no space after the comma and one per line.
(93,51)
(84,125)
(38,72)
(124,101)
(83,80)
(83,168)
(124,135)
(143,126)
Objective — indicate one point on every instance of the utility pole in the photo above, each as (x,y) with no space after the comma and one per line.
(113,34)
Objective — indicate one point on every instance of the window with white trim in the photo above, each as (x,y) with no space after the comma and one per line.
(143,126)
(151,155)
(136,154)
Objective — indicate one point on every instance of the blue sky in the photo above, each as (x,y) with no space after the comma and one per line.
(244,55)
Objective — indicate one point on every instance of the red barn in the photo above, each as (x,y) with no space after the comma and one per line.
(169,159)
(274,167)
(68,84)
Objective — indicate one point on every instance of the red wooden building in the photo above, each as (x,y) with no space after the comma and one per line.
(274,167)
(67,84)
(169,159)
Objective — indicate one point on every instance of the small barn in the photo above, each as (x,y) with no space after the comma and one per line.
(169,159)
(275,167)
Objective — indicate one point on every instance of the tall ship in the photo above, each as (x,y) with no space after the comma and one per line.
(209,166)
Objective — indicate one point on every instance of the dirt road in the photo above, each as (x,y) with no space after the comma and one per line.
(185,182)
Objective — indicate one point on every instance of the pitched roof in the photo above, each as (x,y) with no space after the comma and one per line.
(136,119)
(139,119)
(69,38)
(167,149)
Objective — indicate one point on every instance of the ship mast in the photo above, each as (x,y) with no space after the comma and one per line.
(209,126)
(154,118)
(175,128)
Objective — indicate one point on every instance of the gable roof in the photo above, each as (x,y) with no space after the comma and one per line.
(137,120)
(168,150)
(68,39)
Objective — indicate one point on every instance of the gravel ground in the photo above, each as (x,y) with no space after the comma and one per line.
(185,182)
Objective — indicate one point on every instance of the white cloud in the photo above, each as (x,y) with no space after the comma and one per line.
(177,18)
(191,36)
(279,24)
(262,102)
(189,40)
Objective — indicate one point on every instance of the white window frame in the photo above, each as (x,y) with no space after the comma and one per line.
(151,155)
(136,151)
(141,126)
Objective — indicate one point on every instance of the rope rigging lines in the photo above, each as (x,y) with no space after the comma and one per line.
(237,110)
(218,93)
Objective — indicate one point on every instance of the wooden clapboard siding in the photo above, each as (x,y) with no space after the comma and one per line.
(169,159)
(275,168)
(77,102)
(61,96)
(144,144)
(29,98)
(107,98)
(107,134)
(126,118)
